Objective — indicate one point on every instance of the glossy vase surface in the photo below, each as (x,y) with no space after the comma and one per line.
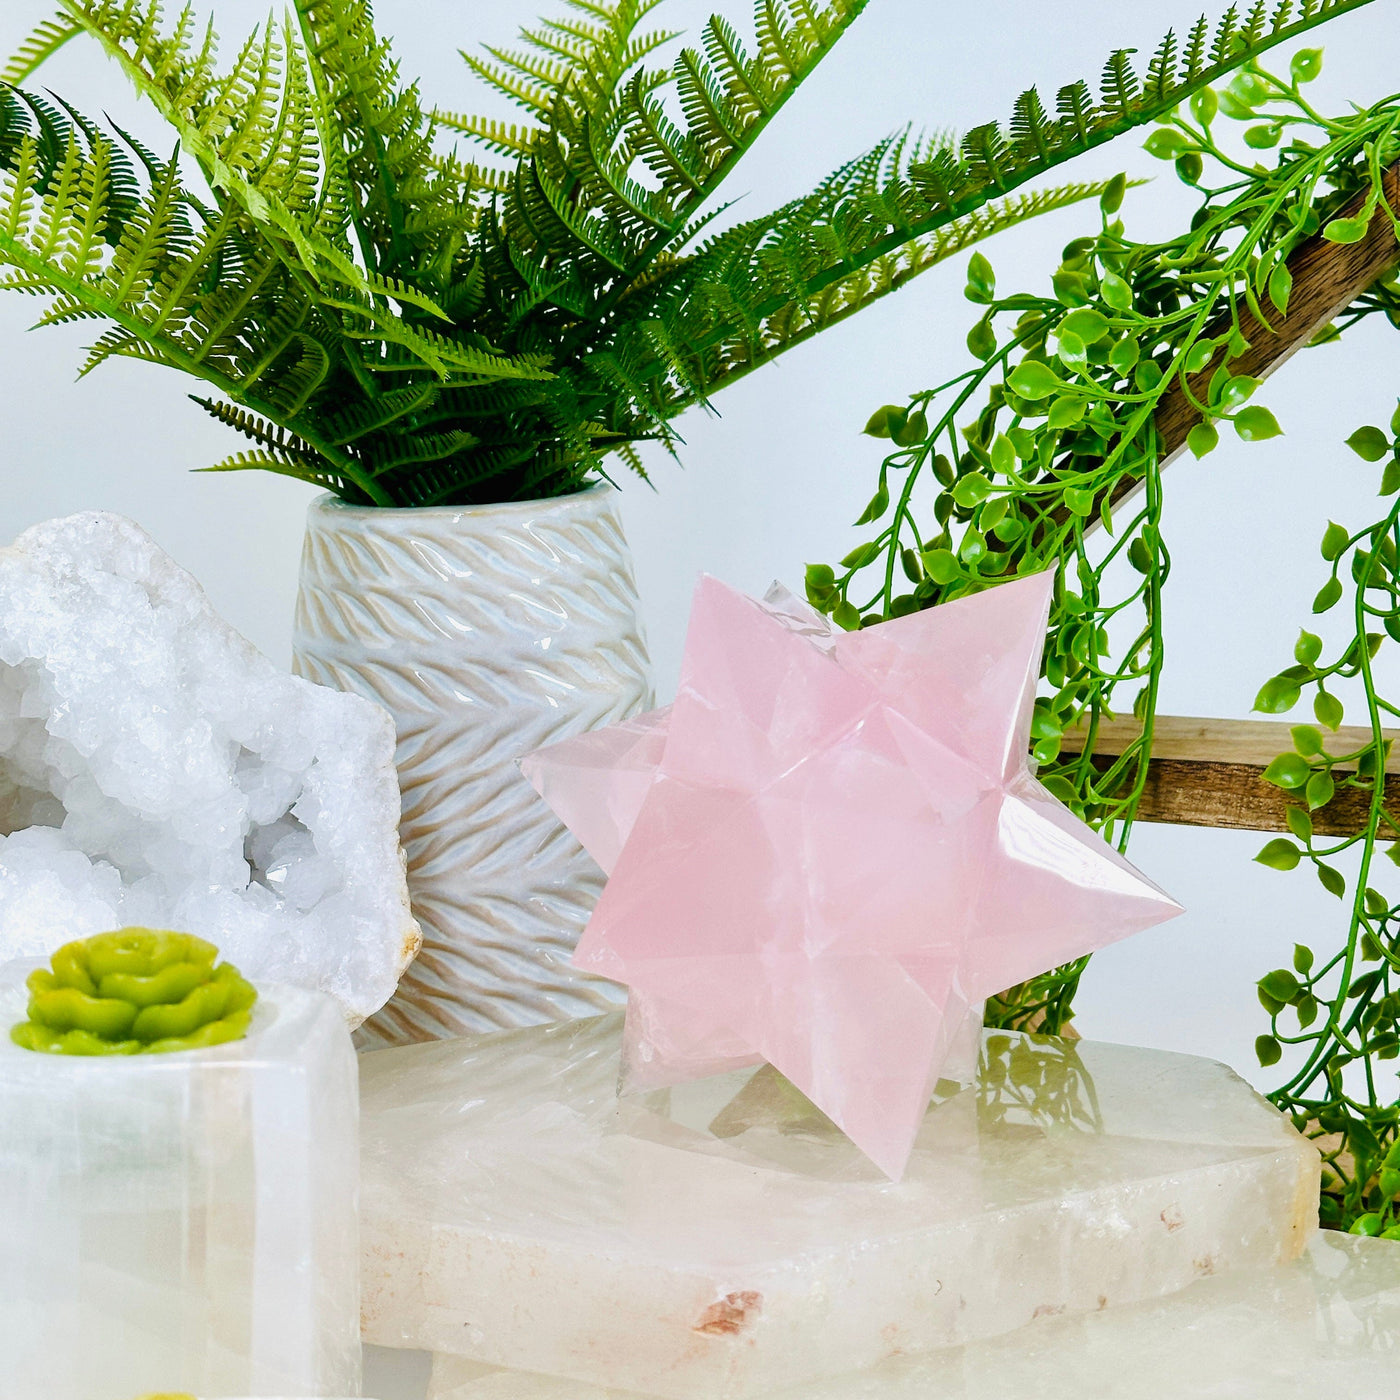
(486,632)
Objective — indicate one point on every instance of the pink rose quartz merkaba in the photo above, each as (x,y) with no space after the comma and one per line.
(831,847)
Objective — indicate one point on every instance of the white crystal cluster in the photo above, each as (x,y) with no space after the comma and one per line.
(156,769)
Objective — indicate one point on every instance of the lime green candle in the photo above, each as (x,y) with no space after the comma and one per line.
(136,991)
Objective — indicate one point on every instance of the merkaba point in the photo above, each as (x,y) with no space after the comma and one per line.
(832,846)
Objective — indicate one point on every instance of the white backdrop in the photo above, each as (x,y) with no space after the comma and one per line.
(776,480)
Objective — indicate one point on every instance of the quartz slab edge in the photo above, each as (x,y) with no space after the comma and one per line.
(496,1298)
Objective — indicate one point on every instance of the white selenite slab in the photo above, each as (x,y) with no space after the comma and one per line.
(1328,1323)
(182,1222)
(723,1240)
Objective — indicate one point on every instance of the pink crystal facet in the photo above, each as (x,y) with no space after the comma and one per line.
(831,846)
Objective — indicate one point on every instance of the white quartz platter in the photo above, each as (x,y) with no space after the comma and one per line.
(1326,1324)
(724,1240)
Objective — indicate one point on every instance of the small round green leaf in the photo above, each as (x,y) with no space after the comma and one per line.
(862,555)
(1203,438)
(1346,230)
(1070,287)
(1238,390)
(1204,105)
(1086,323)
(846,616)
(1072,350)
(1299,823)
(1288,770)
(1279,854)
(1307,648)
(1260,138)
(1147,376)
(1033,379)
(982,340)
(1306,65)
(1111,200)
(981,280)
(1327,595)
(1165,144)
(1124,354)
(1333,881)
(942,565)
(1334,540)
(973,547)
(913,430)
(1280,984)
(1080,500)
(1065,412)
(1199,356)
(1116,292)
(1320,790)
(972,490)
(1269,1051)
(1302,958)
(1368,1224)
(882,419)
(1369,443)
(1306,740)
(1256,424)
(1281,287)
(1277,696)
(1190,167)
(1003,454)
(1328,710)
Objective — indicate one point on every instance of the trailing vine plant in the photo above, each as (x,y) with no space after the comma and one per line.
(1048,452)
(407,321)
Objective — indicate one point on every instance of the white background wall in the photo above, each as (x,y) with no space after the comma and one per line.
(776,480)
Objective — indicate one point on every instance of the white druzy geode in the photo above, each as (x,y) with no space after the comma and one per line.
(156,769)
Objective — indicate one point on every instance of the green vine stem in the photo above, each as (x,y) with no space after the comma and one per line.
(1017,461)
(136,991)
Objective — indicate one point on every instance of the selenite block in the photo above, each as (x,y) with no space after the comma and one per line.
(722,1239)
(1330,1321)
(182,1222)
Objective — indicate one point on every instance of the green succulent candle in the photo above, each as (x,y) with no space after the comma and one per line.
(136,991)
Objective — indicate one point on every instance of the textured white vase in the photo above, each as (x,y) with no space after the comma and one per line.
(486,631)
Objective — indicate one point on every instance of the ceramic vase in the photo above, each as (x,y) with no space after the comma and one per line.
(486,632)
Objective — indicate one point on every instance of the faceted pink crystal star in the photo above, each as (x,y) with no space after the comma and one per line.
(832,846)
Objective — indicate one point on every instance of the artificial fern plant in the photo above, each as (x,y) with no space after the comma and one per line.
(405,324)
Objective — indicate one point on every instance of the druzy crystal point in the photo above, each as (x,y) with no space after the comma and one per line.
(156,769)
(1328,1323)
(722,1238)
(832,846)
(182,1222)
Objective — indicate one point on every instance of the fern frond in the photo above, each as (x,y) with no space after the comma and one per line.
(37,49)
(504,138)
(312,470)
(361,419)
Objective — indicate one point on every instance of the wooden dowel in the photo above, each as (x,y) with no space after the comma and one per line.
(1210,773)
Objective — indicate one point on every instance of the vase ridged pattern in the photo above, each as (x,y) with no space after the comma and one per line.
(486,632)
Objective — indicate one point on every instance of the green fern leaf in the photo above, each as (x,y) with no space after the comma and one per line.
(37,49)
